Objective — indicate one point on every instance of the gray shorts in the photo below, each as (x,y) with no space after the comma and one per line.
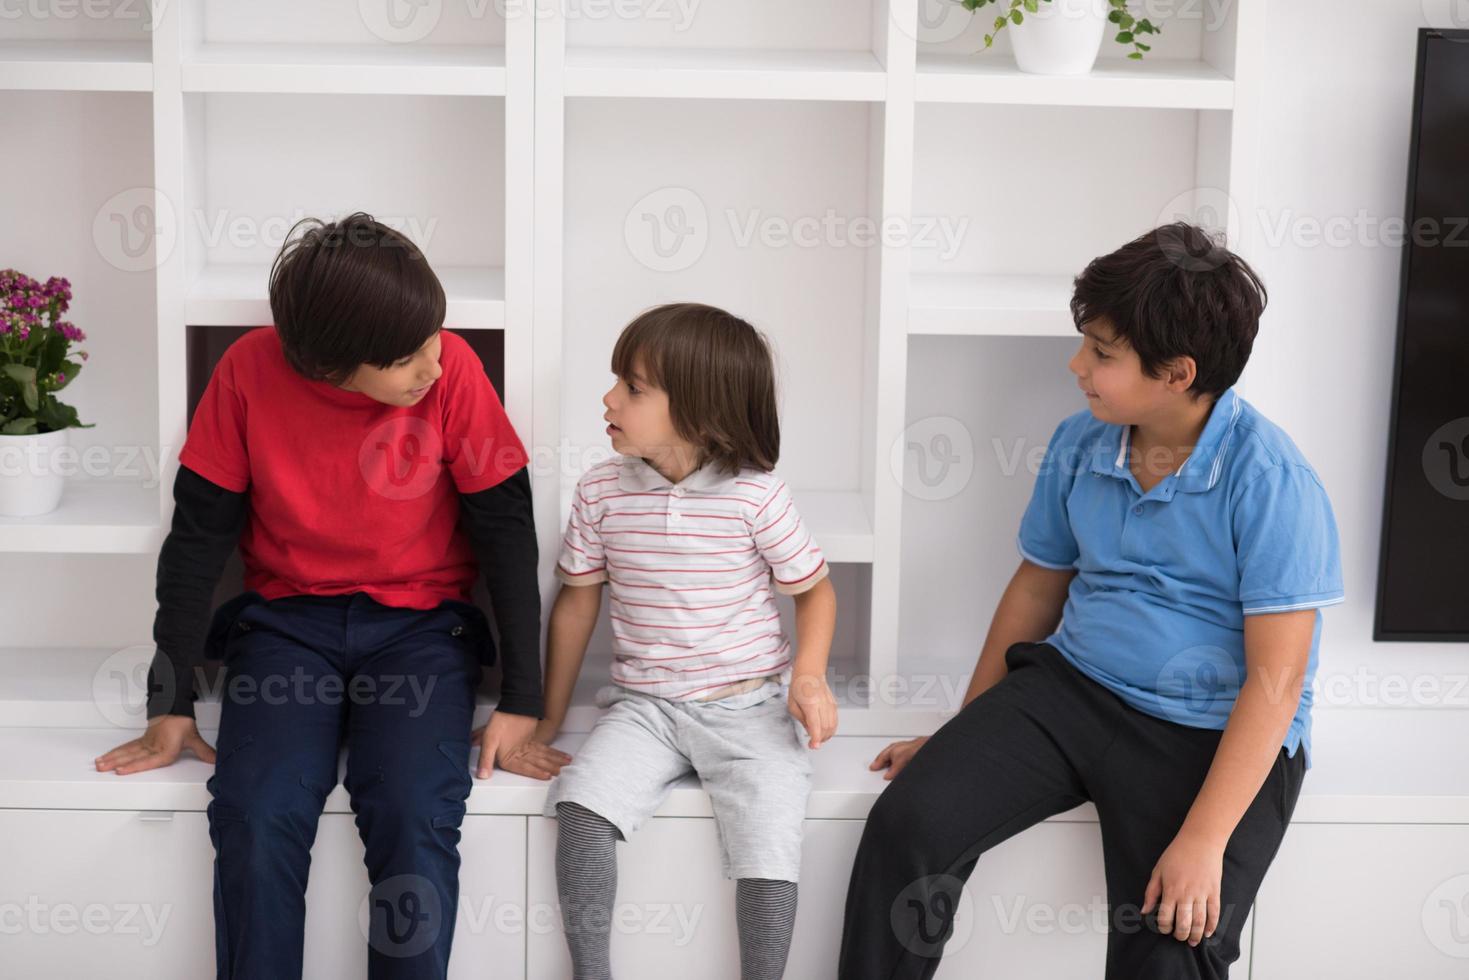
(747,750)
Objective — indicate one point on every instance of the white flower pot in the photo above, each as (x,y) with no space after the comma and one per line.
(30,482)
(1063,37)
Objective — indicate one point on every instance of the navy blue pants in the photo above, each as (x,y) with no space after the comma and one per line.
(303,675)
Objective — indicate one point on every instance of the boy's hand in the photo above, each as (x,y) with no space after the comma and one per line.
(896,756)
(812,704)
(1186,880)
(161,745)
(509,741)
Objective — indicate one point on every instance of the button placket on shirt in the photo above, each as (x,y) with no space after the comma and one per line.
(674,496)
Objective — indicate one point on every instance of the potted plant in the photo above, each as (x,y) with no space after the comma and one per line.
(35,363)
(1064,37)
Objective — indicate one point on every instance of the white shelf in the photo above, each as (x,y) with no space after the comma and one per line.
(236,296)
(838,521)
(409,69)
(724,74)
(990,306)
(993,78)
(95,517)
(77,66)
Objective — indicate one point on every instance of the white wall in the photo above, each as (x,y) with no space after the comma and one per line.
(1336,125)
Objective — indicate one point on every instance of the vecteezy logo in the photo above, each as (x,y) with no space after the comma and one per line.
(941,453)
(1211,209)
(120,685)
(1446,459)
(932,915)
(401,916)
(400,457)
(400,21)
(1446,917)
(667,230)
(1448,14)
(938,20)
(1196,683)
(135,230)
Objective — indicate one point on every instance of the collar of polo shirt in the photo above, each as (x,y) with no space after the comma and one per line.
(1202,468)
(637,475)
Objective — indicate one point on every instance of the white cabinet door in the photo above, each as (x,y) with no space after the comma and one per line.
(113,893)
(489,930)
(1036,907)
(676,912)
(1368,901)
(489,935)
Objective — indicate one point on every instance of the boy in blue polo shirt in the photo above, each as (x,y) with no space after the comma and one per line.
(1153,653)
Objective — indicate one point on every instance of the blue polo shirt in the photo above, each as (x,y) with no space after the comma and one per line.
(1165,579)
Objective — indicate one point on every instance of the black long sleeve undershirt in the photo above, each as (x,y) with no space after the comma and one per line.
(207,521)
(502,532)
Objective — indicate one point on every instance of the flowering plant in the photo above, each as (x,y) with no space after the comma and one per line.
(35,354)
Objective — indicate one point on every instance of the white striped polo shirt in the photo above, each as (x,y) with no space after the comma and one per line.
(692,570)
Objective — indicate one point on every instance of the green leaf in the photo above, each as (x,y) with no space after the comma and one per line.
(1136,56)
(1143,47)
(1032,6)
(989,40)
(57,415)
(19,427)
(999,23)
(23,373)
(1017,16)
(1124,37)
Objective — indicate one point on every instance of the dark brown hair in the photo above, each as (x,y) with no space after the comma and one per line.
(1174,292)
(351,292)
(720,378)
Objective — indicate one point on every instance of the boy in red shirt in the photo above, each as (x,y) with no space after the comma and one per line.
(361,460)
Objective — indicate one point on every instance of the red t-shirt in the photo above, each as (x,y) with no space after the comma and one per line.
(348,494)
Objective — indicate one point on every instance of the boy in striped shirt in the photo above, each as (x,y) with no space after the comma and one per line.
(692,535)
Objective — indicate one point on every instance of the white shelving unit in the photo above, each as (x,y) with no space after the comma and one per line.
(564,171)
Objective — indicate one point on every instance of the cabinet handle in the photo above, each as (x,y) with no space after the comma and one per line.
(156,816)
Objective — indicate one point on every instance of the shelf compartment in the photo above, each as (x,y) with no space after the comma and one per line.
(1102,177)
(979,412)
(241,200)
